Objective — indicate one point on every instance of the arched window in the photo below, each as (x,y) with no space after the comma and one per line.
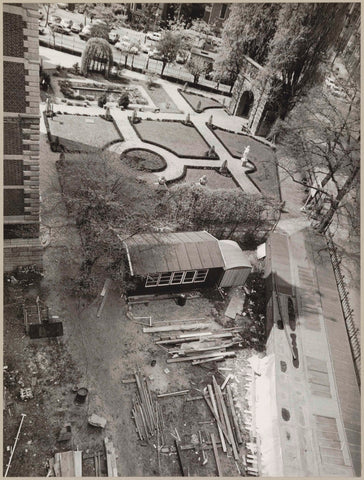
(245,104)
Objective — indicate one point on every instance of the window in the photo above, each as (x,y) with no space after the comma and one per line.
(176,278)
(189,276)
(152,280)
(223,10)
(200,276)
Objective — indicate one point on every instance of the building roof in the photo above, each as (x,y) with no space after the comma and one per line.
(172,252)
(233,255)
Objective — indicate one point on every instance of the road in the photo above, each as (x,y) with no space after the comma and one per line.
(140,61)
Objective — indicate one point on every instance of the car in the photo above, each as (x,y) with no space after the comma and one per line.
(76,28)
(155,36)
(182,57)
(126,46)
(41,30)
(154,54)
(62,6)
(54,20)
(85,34)
(67,23)
(113,37)
(61,29)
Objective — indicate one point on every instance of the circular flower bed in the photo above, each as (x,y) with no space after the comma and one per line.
(144,160)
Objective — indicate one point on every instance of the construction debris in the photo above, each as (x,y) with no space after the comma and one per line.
(143,411)
(26,394)
(181,392)
(112,470)
(65,434)
(97,421)
(67,464)
(12,450)
(103,296)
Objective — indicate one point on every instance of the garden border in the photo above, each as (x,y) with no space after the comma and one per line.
(181,92)
(254,169)
(216,157)
(197,167)
(151,151)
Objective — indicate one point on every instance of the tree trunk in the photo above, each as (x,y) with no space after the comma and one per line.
(164,64)
(327,218)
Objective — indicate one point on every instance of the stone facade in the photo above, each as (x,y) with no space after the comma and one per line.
(21,136)
(250,98)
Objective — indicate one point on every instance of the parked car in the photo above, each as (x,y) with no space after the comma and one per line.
(76,28)
(154,54)
(126,46)
(182,57)
(41,30)
(58,28)
(155,36)
(113,37)
(85,34)
(54,20)
(62,6)
(67,23)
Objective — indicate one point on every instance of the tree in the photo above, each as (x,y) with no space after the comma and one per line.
(322,134)
(248,30)
(198,66)
(169,46)
(300,47)
(99,30)
(124,100)
(97,55)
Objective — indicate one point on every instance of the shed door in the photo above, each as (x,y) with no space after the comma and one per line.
(234,277)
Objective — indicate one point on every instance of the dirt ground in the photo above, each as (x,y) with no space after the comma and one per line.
(97,353)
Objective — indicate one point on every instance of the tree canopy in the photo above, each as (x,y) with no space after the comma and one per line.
(169,46)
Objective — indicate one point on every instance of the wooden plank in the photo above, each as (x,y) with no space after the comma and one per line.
(171,394)
(216,455)
(207,360)
(171,328)
(216,417)
(202,356)
(220,424)
(105,287)
(226,381)
(110,459)
(226,417)
(233,414)
(179,454)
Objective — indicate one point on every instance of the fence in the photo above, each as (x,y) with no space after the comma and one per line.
(352,330)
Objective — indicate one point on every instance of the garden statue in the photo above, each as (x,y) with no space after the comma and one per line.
(188,118)
(244,158)
(185,87)
(203,180)
(223,168)
(135,116)
(49,107)
(162,180)
(210,120)
(212,152)
(107,113)
(198,108)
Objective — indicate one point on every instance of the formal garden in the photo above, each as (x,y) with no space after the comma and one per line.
(211,178)
(143,160)
(179,137)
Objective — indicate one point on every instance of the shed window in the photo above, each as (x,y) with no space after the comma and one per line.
(176,278)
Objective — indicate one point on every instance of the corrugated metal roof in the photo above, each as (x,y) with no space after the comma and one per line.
(171,252)
(233,255)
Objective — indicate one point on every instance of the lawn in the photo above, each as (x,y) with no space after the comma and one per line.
(143,160)
(263,157)
(215,180)
(82,133)
(160,97)
(199,102)
(182,140)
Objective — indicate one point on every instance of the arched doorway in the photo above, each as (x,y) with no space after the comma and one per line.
(245,104)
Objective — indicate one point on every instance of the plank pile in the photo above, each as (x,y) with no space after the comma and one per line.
(144,411)
(199,346)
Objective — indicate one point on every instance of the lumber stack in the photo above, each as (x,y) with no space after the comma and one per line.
(143,411)
(199,346)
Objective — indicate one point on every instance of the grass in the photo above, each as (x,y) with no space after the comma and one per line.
(160,97)
(263,157)
(193,99)
(143,160)
(215,180)
(182,140)
(77,132)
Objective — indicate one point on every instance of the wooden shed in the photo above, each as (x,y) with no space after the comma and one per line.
(176,262)
(236,264)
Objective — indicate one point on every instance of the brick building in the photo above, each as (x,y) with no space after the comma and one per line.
(21,136)
(250,99)
(216,14)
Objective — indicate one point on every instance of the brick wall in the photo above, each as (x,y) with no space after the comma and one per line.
(13,35)
(21,135)
(14,87)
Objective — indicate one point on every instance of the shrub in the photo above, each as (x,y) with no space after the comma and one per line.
(76,68)
(124,100)
(102,100)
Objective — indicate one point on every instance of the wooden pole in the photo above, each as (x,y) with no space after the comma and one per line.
(15,442)
(179,454)
(216,454)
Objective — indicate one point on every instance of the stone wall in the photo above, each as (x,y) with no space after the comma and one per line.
(21,132)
